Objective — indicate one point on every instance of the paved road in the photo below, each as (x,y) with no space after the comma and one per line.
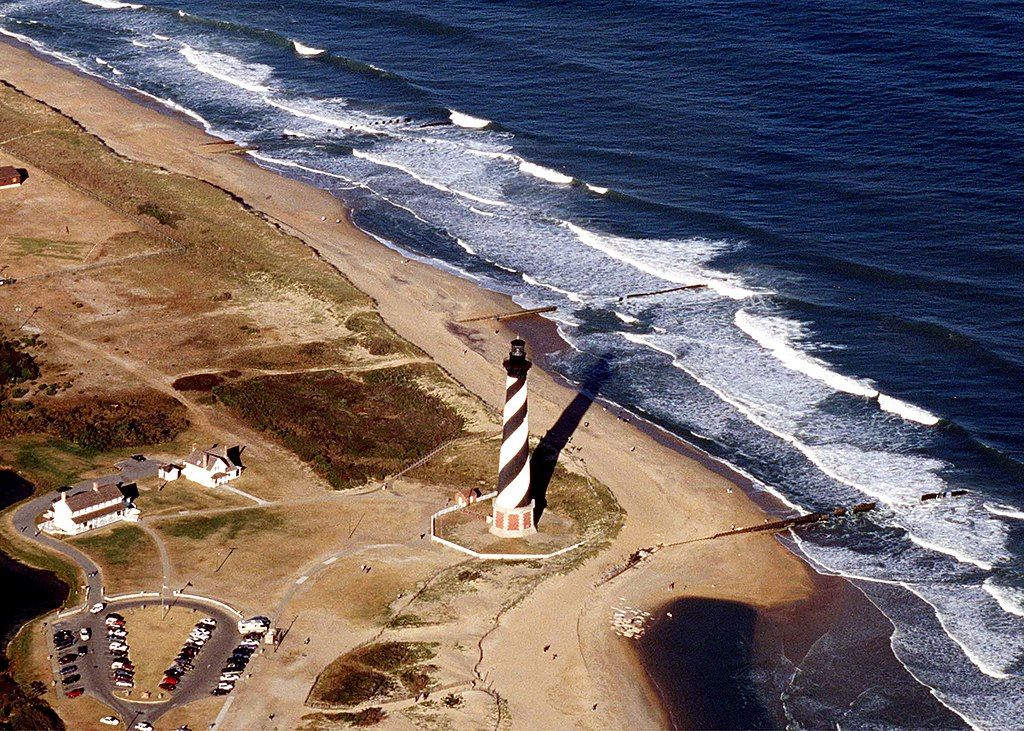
(94,667)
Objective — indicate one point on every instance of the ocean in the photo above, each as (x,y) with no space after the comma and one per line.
(844,182)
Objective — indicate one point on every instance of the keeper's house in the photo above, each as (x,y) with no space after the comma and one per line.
(213,466)
(89,509)
(10,177)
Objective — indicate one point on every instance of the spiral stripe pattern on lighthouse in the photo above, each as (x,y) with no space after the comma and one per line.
(514,459)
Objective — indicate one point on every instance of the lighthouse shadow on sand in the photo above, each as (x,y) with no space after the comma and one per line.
(545,456)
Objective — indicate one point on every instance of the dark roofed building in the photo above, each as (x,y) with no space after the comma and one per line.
(10,177)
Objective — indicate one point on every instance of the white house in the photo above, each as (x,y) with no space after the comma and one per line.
(89,509)
(213,466)
(169,472)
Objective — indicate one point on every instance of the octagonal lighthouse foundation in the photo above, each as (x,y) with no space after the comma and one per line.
(512,515)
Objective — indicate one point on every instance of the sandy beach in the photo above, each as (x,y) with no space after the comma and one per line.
(590,678)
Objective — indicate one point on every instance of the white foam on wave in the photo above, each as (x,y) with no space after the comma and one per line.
(671,266)
(101,62)
(465,120)
(112,4)
(571,296)
(539,171)
(628,319)
(437,185)
(251,77)
(480,212)
(298,166)
(1010,598)
(116,72)
(597,189)
(308,51)
(332,122)
(907,411)
(776,334)
(897,480)
(1005,511)
(139,44)
(161,38)
(292,133)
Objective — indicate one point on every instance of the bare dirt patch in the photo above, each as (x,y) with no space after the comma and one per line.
(155,636)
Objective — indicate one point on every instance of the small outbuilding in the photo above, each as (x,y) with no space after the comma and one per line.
(10,177)
(169,472)
(464,498)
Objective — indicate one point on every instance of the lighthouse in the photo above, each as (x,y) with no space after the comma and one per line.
(512,516)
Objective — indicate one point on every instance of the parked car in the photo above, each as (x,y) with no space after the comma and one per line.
(253,624)
(74,693)
(65,659)
(118,646)
(68,669)
(110,721)
(122,664)
(169,687)
(143,726)
(220,691)
(83,650)
(115,615)
(85,634)
(71,679)
(123,684)
(97,608)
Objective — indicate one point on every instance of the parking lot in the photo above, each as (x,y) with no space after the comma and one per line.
(93,673)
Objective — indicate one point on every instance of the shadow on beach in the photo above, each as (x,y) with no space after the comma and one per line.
(545,456)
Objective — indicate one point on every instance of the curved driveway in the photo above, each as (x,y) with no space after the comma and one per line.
(94,667)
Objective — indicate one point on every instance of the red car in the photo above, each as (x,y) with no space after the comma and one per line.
(170,681)
(75,693)
(169,687)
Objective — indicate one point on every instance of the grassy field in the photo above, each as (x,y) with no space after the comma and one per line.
(154,639)
(127,556)
(49,248)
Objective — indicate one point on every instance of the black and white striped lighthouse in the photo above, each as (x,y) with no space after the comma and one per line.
(513,506)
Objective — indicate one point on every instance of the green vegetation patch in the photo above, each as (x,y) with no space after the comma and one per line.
(372,672)
(350,431)
(98,421)
(121,546)
(49,248)
(228,525)
(325,721)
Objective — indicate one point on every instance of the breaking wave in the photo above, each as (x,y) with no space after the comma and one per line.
(777,335)
(251,77)
(308,51)
(1010,598)
(113,4)
(464,120)
(539,171)
(1005,511)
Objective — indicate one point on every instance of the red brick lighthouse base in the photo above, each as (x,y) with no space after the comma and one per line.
(513,522)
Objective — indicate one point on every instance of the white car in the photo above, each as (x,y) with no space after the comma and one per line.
(84,633)
(97,608)
(110,721)
(118,646)
(143,726)
(230,677)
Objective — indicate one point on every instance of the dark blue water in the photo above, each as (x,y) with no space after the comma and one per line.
(847,180)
